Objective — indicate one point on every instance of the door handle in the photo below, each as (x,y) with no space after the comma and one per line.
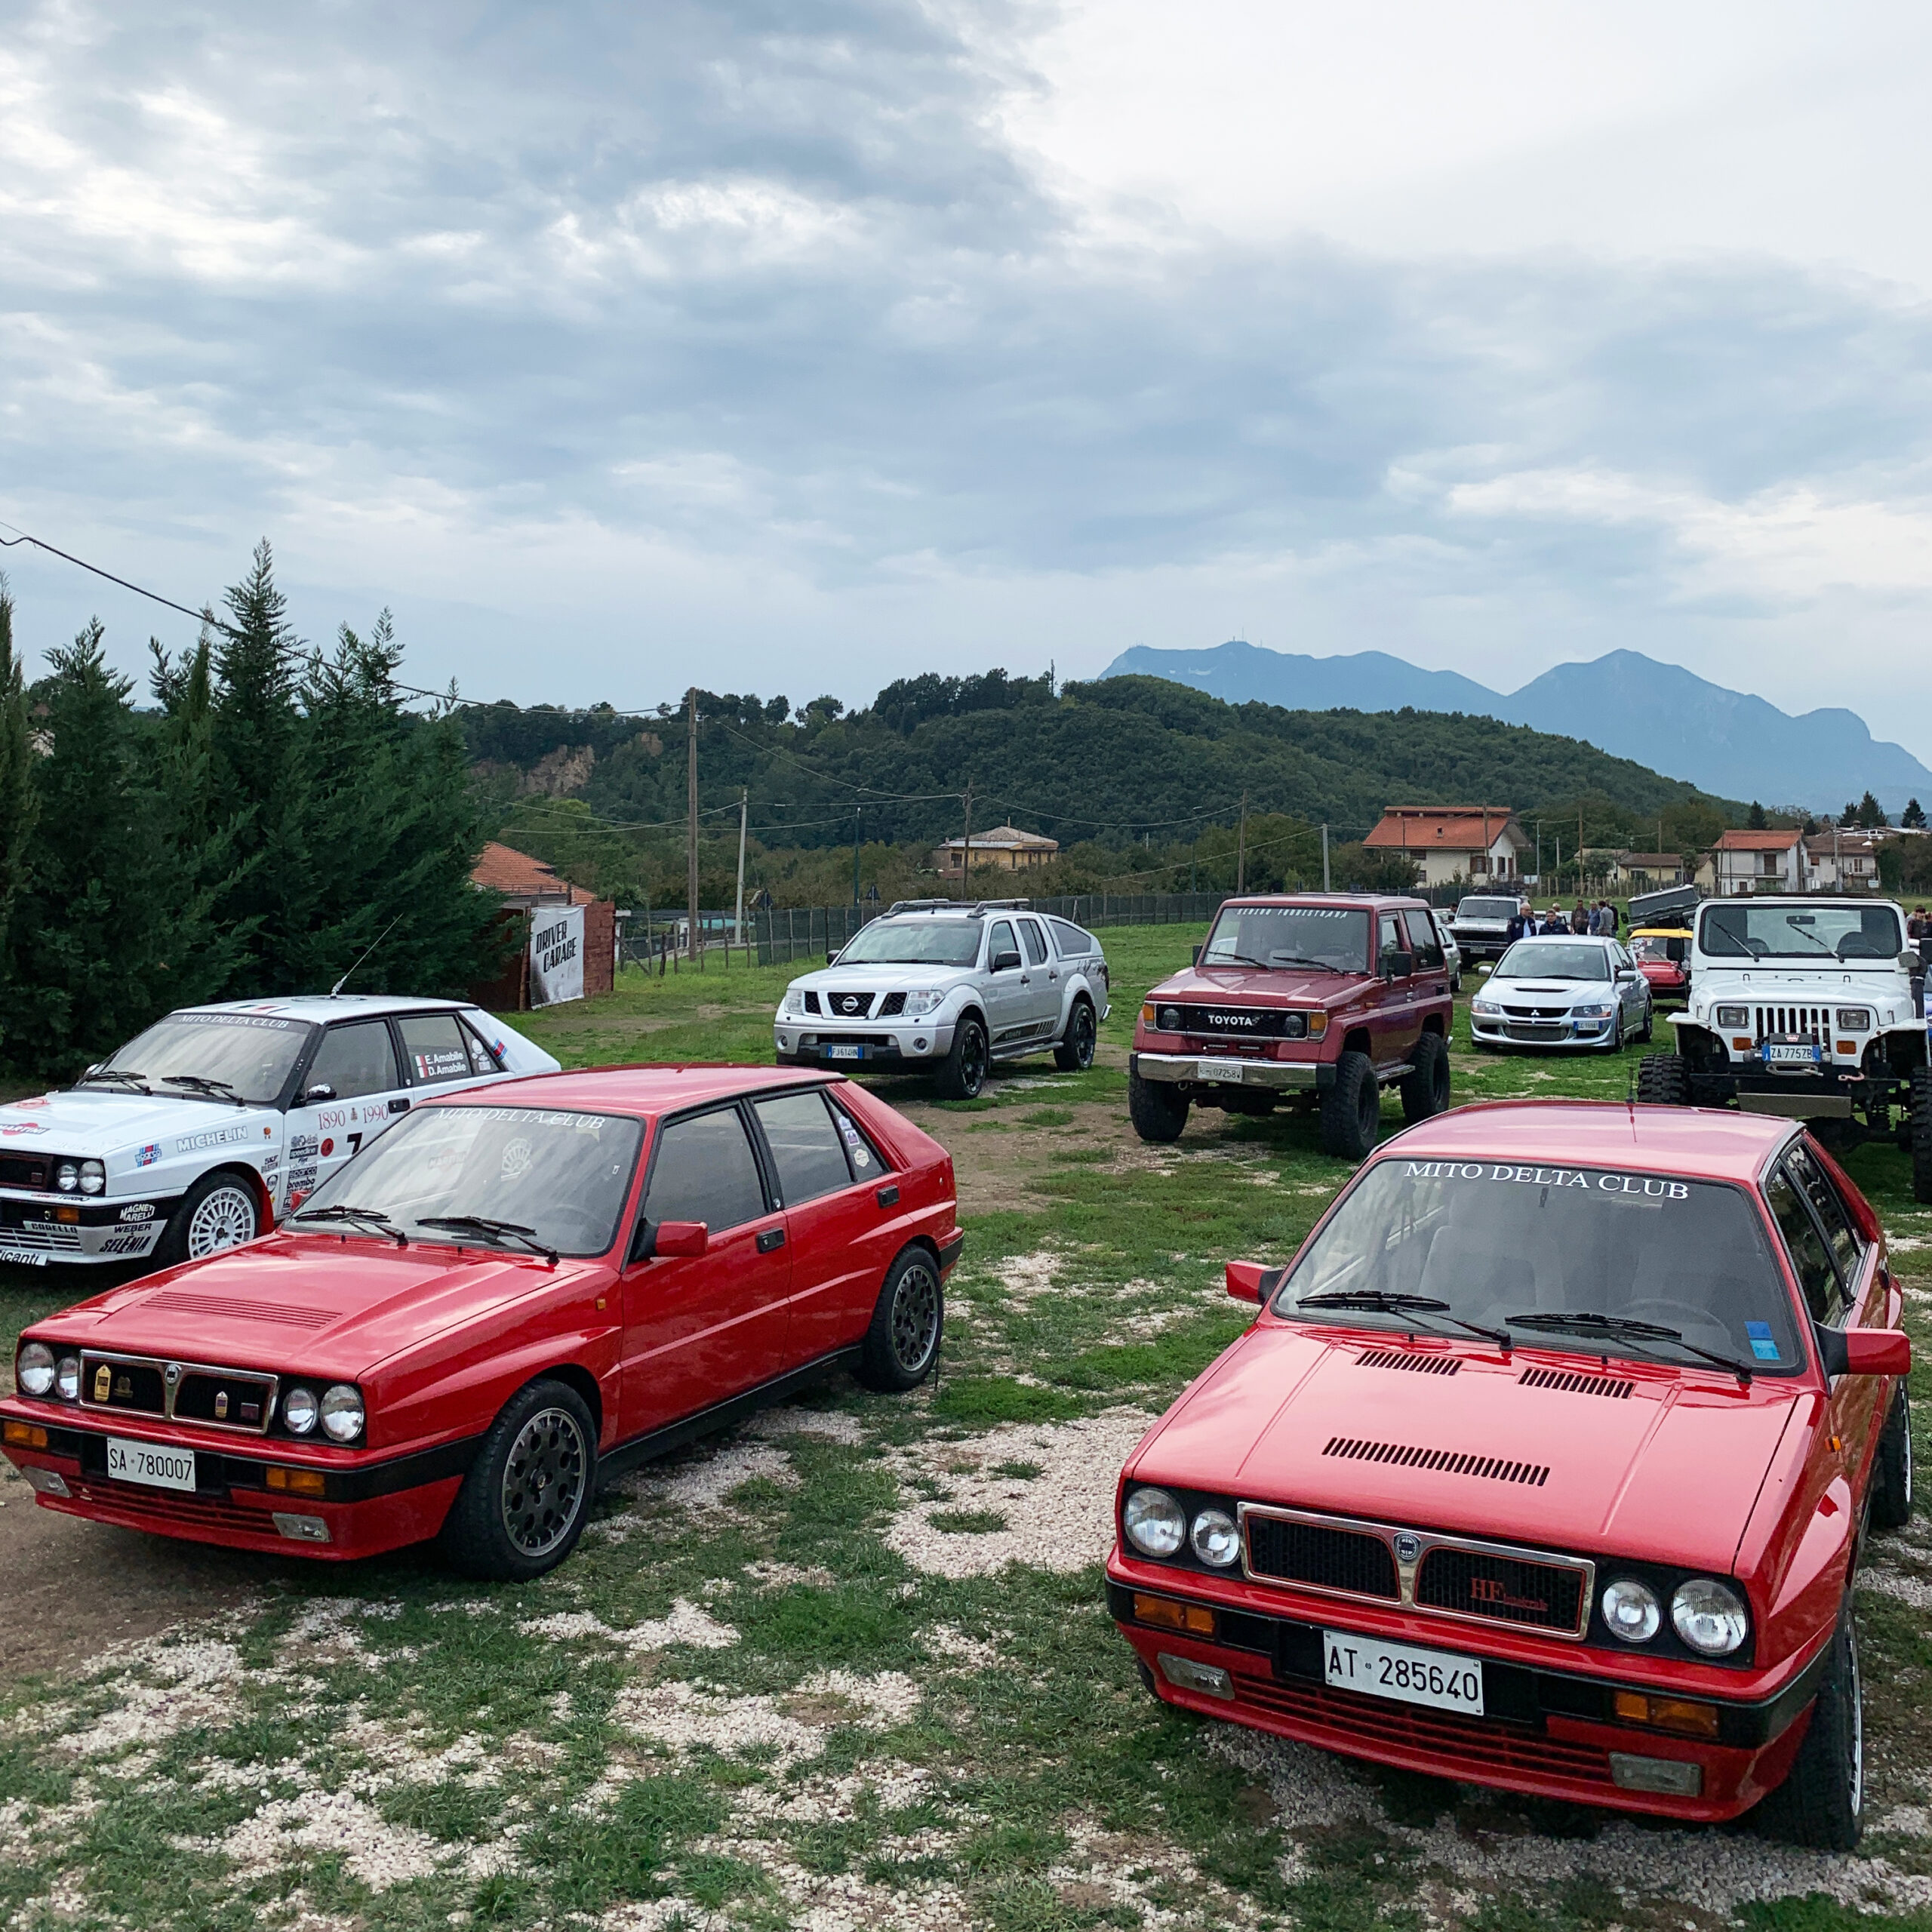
(769,1238)
(888,1197)
(398,1106)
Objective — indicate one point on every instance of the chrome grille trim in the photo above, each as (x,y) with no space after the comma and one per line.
(271,1386)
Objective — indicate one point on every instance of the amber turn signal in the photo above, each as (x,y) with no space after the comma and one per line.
(25,1435)
(1677,1714)
(295,1482)
(1196,1619)
(1147,1014)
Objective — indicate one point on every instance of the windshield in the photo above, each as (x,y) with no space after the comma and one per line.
(562,1176)
(239,1056)
(1551,959)
(1657,946)
(914,942)
(1738,931)
(1332,937)
(1504,909)
(1495,1239)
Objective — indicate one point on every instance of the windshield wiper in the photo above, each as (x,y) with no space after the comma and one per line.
(372,1217)
(1393,1304)
(1295,959)
(1587,1322)
(127,1077)
(201,1083)
(490,1229)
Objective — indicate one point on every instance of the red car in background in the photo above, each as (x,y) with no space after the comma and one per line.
(1662,954)
(512,1294)
(1547,1465)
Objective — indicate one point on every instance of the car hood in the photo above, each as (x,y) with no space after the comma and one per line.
(1668,1473)
(867,978)
(1548,992)
(1259,985)
(1867,978)
(97,1121)
(313,1303)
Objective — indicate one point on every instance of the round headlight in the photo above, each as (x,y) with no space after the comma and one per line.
(1630,1610)
(1170,1020)
(298,1410)
(1216,1540)
(66,1177)
(1709,1616)
(342,1414)
(67,1379)
(1155,1523)
(34,1371)
(94,1176)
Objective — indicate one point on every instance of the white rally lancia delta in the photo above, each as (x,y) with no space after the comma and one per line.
(195,1136)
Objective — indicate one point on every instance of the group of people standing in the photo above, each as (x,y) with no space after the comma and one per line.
(1600,917)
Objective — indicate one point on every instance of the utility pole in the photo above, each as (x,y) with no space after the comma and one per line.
(1241,864)
(690,803)
(738,917)
(966,855)
(856,810)
(1324,858)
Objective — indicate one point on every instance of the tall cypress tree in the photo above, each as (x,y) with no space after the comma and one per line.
(18,806)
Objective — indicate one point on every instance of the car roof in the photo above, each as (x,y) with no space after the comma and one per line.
(1364,899)
(641,1089)
(1704,1143)
(321,1007)
(1564,939)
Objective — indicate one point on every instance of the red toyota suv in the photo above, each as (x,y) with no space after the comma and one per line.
(1317,1000)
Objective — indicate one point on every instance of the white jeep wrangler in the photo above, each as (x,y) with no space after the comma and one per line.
(1807,1008)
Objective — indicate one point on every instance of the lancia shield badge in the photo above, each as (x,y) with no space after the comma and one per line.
(172,1373)
(1408,1545)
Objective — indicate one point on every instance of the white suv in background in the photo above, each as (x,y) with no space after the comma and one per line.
(935,985)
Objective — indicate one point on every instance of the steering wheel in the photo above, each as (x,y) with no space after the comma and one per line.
(1660,1308)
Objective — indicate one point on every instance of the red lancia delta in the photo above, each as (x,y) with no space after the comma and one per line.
(512,1294)
(1547,1465)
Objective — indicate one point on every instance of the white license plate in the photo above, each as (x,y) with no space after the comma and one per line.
(1402,1672)
(844,1053)
(148,1462)
(1220,1069)
(1801,1055)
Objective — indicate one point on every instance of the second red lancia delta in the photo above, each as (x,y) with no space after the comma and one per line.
(1547,1465)
(513,1293)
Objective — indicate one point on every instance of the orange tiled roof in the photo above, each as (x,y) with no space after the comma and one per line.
(1758,842)
(1449,828)
(503,869)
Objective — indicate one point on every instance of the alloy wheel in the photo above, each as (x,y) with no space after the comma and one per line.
(973,1062)
(915,1317)
(224,1217)
(1082,1032)
(1855,1690)
(543,1482)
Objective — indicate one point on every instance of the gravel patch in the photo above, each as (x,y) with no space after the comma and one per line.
(686,1624)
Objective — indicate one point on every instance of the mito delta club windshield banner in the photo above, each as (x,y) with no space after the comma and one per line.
(556,955)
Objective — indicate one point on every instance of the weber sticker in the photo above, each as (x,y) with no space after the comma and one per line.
(1651,1187)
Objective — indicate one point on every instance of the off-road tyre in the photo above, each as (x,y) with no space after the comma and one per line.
(1663,1080)
(1891,1482)
(964,1075)
(1074,1052)
(1352,1109)
(524,1502)
(211,1218)
(1822,1803)
(1426,1089)
(908,1322)
(1918,1121)
(1158,1113)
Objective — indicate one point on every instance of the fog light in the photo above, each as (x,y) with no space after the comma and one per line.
(1196,1619)
(918,1046)
(1675,1779)
(784,1043)
(47,1482)
(23,1435)
(296,1482)
(70,1215)
(301,1529)
(1679,1714)
(1184,1674)
(94,1177)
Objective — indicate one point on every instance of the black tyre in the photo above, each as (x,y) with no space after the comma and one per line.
(220,1211)
(1891,1485)
(1426,1091)
(1352,1109)
(1919,1122)
(908,1320)
(1650,1022)
(964,1073)
(1614,1044)
(522,1506)
(1158,1113)
(1822,1804)
(1663,1080)
(1074,1053)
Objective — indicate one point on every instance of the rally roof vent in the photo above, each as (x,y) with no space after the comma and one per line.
(181,1301)
(1573,1384)
(1450,1462)
(1418,1364)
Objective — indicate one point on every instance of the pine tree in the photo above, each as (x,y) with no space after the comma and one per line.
(1871,813)
(18,807)
(1913,816)
(1755,821)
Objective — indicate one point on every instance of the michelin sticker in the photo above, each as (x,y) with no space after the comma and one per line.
(220,1136)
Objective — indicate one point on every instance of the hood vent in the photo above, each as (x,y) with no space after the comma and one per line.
(179,1301)
(1450,1462)
(1575,1385)
(1402,1358)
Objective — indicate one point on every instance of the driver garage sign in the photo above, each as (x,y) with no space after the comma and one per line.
(556,954)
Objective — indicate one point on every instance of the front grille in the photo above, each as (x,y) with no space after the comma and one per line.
(1791,1023)
(891,1006)
(193,1512)
(1575,1384)
(194,1391)
(1418,1364)
(1243,1022)
(1535,1012)
(136,1386)
(1450,1462)
(849,1006)
(811,1001)
(43,1237)
(1503,1589)
(1324,1558)
(18,1171)
(241,1401)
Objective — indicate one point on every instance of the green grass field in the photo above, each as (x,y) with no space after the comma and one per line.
(850,1667)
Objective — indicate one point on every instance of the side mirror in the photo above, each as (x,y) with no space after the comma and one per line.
(1198,952)
(1005,962)
(1864,1351)
(1249,1281)
(670,1240)
(314,1096)
(1397,964)
(1910,962)
(831,959)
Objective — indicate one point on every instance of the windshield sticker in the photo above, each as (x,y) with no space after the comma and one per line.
(441,1065)
(536,1117)
(516,1159)
(236,1020)
(1650,1186)
(1762,1344)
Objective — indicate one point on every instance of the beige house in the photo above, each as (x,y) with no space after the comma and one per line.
(1482,845)
(1005,846)
(1747,862)
(1843,861)
(1649,871)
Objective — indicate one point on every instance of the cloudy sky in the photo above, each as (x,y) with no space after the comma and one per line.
(792,347)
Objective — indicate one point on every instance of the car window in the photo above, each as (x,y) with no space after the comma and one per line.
(868,1163)
(1074,942)
(1840,1236)
(434,1048)
(253,1053)
(805,1146)
(1388,936)
(482,1059)
(1423,942)
(705,1171)
(1806,1248)
(1035,942)
(1002,941)
(356,1059)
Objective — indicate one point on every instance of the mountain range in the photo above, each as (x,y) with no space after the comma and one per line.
(1725,742)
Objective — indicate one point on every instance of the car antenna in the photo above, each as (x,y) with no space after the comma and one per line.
(364,955)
